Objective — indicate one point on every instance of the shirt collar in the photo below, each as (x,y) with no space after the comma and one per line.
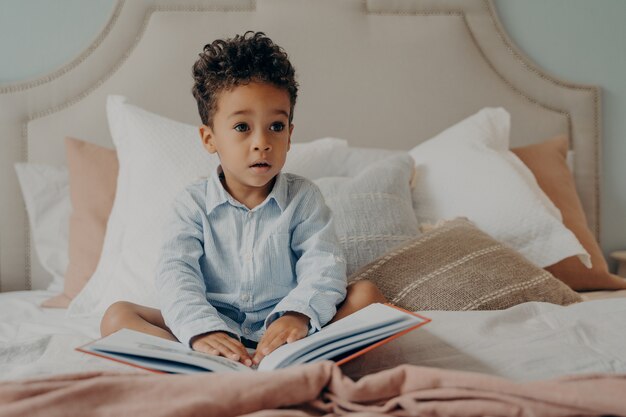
(216,194)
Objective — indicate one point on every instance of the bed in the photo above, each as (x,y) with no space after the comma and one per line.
(431,65)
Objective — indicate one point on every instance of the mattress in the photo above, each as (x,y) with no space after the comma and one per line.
(527,342)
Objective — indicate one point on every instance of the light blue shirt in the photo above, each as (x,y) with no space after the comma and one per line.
(224,267)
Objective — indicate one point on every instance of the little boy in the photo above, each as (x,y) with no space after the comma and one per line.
(250,254)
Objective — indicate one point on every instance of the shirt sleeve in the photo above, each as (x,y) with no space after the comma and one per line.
(179,280)
(320,266)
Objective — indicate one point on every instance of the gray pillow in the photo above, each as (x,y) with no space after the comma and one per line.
(372,211)
(458,267)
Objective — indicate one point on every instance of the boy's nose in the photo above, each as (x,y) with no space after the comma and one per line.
(265,147)
(262,144)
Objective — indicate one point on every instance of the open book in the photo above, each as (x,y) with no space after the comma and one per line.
(347,338)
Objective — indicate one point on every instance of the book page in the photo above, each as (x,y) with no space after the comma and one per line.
(136,348)
(359,330)
(154,363)
(371,323)
(338,347)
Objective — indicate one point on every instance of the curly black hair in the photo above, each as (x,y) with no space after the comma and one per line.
(226,63)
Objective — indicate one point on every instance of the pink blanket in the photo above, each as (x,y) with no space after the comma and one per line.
(318,389)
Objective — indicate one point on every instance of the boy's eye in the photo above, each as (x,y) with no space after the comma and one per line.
(242,127)
(277,127)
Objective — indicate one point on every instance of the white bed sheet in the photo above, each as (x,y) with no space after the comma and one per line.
(528,341)
(36,341)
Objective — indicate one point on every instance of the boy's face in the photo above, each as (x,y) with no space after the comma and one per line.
(251,134)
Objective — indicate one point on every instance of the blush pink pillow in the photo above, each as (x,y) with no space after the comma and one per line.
(547,162)
(92,179)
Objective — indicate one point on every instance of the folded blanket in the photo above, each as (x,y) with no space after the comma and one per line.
(316,389)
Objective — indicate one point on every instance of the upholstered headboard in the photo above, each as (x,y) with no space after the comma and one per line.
(379,73)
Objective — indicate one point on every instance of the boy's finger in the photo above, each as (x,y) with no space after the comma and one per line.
(265,344)
(205,348)
(224,349)
(228,349)
(238,347)
(295,335)
(264,341)
(262,346)
(277,341)
(258,355)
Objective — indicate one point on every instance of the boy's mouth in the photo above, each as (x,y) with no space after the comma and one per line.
(261,164)
(261,167)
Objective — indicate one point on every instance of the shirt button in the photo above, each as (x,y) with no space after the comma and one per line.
(246,330)
(248,256)
(244,297)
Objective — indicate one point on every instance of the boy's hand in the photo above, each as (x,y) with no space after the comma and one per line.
(290,327)
(221,344)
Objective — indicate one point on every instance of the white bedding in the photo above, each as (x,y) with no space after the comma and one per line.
(40,341)
(526,342)
(529,341)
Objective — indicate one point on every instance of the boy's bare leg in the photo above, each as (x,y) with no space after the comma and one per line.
(124,314)
(360,294)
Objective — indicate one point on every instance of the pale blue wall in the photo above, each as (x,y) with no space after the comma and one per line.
(584,41)
(578,40)
(39,36)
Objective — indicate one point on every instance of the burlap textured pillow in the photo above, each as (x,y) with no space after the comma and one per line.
(458,267)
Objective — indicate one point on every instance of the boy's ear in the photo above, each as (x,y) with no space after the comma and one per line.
(206,135)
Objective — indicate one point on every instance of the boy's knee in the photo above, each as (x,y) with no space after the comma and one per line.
(116,317)
(366,291)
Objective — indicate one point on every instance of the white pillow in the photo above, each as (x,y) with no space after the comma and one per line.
(46,193)
(467,170)
(157,158)
(372,212)
(341,161)
(316,159)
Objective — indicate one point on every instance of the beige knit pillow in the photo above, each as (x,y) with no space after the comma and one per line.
(458,267)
